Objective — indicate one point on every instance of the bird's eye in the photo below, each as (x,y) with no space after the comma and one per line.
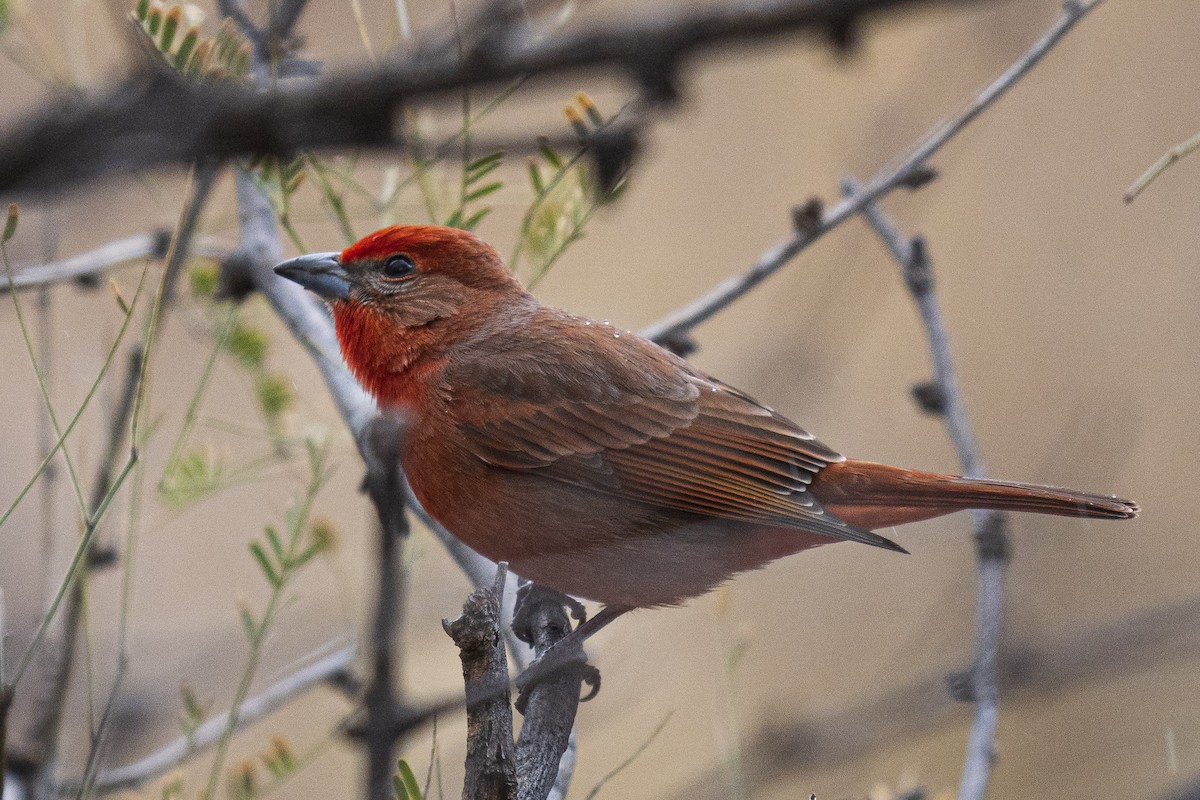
(398,267)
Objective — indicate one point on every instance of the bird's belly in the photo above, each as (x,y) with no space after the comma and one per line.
(586,543)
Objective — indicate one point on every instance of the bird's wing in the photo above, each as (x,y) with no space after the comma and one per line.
(625,418)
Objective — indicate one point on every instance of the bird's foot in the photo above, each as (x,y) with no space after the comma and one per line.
(538,621)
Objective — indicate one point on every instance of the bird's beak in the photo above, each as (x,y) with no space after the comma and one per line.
(318,272)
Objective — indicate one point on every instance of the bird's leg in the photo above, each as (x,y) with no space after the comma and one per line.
(563,654)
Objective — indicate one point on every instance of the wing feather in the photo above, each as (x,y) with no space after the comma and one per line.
(655,431)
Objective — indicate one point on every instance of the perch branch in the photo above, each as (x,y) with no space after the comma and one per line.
(491,772)
(812,222)
(991,536)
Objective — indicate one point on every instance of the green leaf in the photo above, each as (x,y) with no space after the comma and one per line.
(476,218)
(275,395)
(411,787)
(398,788)
(154,19)
(248,623)
(170,26)
(186,47)
(484,191)
(143,8)
(248,345)
(548,153)
(535,178)
(481,167)
(10,224)
(276,544)
(265,565)
(454,219)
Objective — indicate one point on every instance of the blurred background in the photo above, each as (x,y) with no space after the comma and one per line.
(1072,318)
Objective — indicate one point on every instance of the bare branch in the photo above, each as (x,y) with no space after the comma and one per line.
(86,266)
(325,670)
(991,536)
(1168,158)
(490,765)
(910,173)
(78,140)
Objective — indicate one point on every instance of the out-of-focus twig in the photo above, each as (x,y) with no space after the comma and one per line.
(812,222)
(86,266)
(385,485)
(78,140)
(1176,153)
(990,527)
(328,669)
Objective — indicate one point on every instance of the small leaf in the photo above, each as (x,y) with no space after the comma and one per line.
(248,345)
(169,28)
(116,293)
(10,224)
(476,218)
(481,167)
(484,191)
(454,219)
(154,19)
(276,544)
(265,565)
(275,395)
(198,63)
(535,178)
(248,623)
(411,786)
(548,153)
(143,8)
(398,788)
(203,280)
(186,47)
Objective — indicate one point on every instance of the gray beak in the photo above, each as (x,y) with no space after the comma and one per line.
(318,272)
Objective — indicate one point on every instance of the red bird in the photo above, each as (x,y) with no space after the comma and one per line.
(592,460)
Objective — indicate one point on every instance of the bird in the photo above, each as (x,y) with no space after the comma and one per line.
(593,461)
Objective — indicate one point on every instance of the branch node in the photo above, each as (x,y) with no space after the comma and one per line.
(929,397)
(991,539)
(807,217)
(918,273)
(917,176)
(962,686)
(613,151)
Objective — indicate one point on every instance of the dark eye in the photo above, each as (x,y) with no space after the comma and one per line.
(398,267)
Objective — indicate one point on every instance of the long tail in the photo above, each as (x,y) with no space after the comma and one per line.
(870,496)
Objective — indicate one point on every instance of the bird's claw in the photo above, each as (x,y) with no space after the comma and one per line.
(529,597)
(567,660)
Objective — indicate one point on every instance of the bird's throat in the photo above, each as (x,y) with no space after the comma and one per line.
(389,360)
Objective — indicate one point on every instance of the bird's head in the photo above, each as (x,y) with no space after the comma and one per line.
(405,293)
(413,274)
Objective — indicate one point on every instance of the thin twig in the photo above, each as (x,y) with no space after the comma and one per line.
(912,172)
(1159,167)
(990,527)
(86,266)
(139,773)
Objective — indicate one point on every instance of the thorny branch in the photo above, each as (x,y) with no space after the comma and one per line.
(812,222)
(991,527)
(79,140)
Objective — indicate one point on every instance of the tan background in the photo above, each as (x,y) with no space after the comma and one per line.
(1073,323)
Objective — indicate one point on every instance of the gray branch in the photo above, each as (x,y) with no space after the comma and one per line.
(990,527)
(812,222)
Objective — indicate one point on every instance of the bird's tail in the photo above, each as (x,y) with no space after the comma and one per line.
(870,496)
